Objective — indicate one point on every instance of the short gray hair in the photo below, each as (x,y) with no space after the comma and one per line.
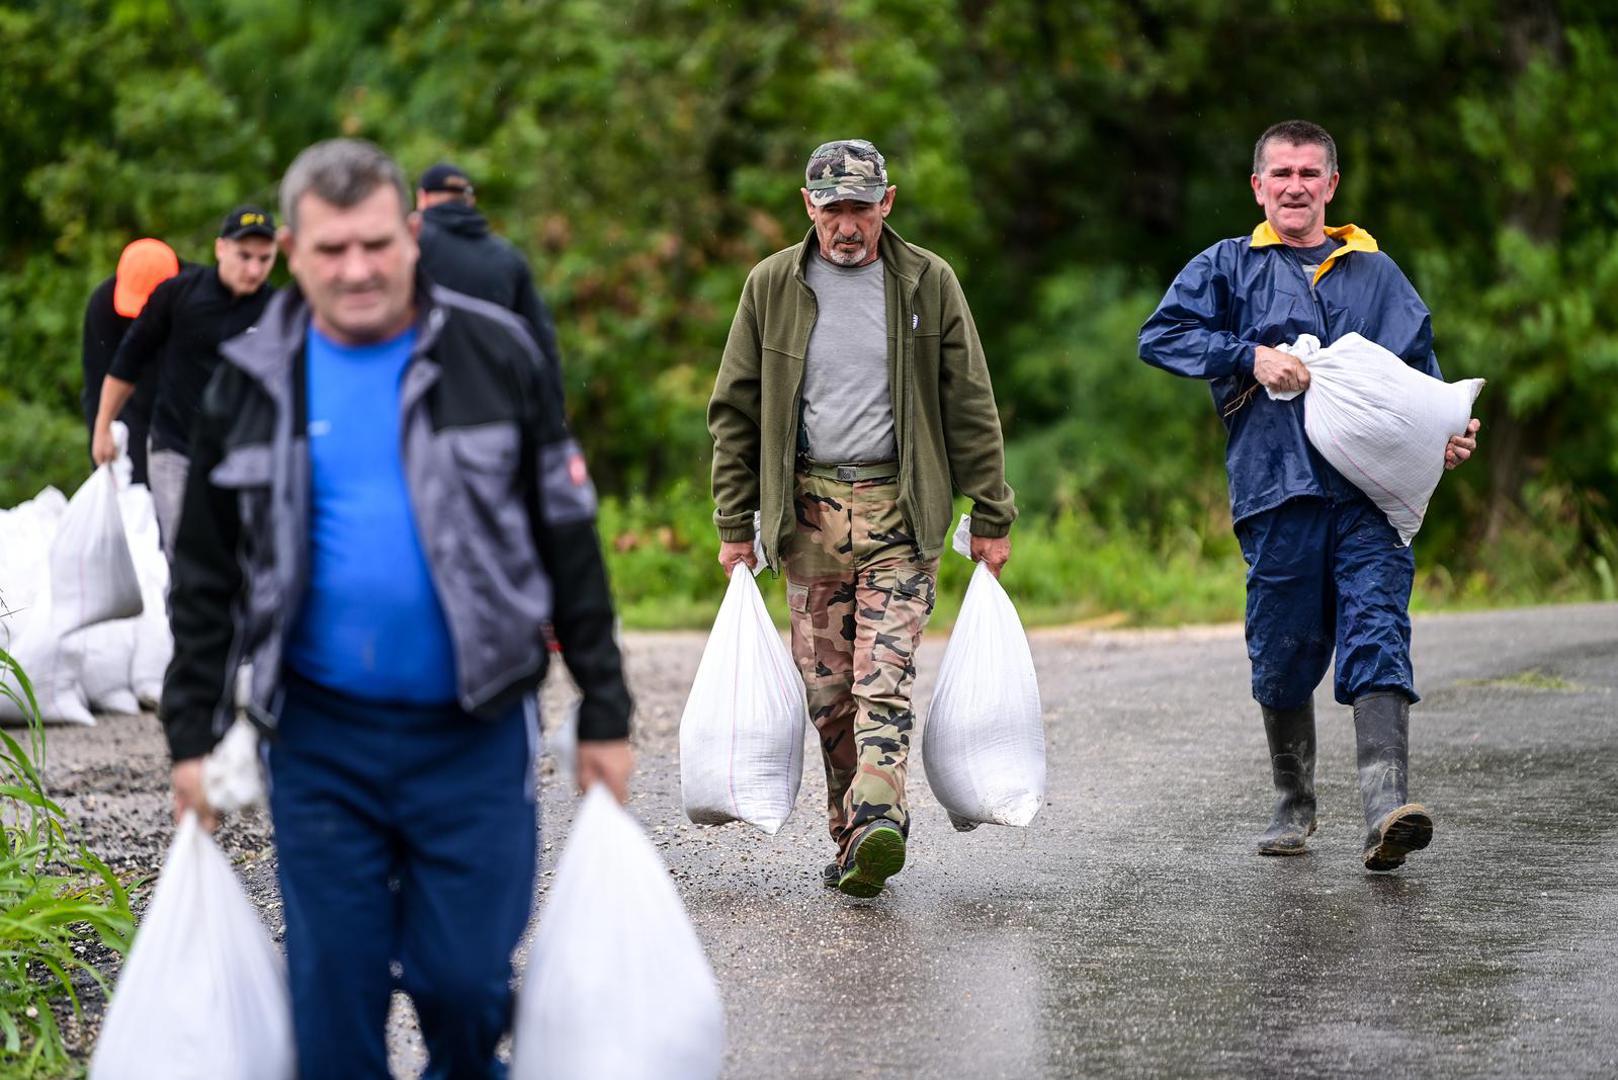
(342,172)
(1298,133)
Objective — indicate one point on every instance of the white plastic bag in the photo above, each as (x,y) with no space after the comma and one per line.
(92,574)
(203,995)
(233,772)
(53,663)
(983,743)
(1380,422)
(108,649)
(154,645)
(617,985)
(741,735)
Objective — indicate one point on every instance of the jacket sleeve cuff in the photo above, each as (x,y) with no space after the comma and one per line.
(1245,358)
(734,532)
(192,742)
(989,530)
(604,721)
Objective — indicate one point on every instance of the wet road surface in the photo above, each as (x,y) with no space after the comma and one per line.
(1129,931)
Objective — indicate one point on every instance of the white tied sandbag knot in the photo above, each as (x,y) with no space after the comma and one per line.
(1380,422)
(203,995)
(741,734)
(233,773)
(983,742)
(617,984)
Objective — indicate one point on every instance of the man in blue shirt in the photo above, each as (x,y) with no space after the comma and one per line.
(385,509)
(1325,569)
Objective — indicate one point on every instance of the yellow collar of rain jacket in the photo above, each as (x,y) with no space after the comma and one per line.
(1353,237)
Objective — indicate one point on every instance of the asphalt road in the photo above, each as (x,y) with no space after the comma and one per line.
(1130,931)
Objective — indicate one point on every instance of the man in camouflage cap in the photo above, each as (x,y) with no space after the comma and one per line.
(853,401)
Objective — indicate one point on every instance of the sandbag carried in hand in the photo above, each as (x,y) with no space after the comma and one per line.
(741,735)
(1380,422)
(92,574)
(983,743)
(203,995)
(617,985)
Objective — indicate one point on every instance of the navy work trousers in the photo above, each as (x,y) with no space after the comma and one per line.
(406,841)
(1325,574)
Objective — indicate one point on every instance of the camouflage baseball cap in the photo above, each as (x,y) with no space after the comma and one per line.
(846,169)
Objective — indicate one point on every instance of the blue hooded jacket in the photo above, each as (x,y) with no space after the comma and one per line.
(1247,291)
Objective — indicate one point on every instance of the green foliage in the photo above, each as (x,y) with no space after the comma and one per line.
(1067,159)
(39,446)
(56,899)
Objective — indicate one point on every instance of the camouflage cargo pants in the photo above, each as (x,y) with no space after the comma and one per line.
(859,594)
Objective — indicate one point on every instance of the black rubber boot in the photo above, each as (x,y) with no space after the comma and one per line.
(1292,764)
(1396,826)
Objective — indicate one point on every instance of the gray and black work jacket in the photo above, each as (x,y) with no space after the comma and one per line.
(502,501)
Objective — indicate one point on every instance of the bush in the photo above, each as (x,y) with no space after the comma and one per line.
(39,446)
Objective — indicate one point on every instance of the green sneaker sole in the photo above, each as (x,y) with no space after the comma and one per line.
(880,855)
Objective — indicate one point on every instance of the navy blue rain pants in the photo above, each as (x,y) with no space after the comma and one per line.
(404,836)
(1324,574)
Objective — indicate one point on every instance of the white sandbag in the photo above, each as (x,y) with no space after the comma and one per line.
(203,995)
(26,531)
(109,648)
(741,735)
(92,574)
(617,985)
(154,644)
(983,742)
(53,663)
(1380,422)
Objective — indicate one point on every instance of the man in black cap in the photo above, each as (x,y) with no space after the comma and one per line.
(185,320)
(459,251)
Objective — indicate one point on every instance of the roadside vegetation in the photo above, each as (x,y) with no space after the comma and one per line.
(1067,159)
(59,905)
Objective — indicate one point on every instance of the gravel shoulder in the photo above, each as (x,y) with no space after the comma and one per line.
(1128,931)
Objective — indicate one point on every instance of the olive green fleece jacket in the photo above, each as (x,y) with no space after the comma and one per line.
(944,416)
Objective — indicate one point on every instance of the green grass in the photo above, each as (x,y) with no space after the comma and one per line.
(1531,679)
(1068,569)
(56,899)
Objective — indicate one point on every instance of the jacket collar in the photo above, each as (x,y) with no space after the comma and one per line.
(1353,237)
(265,352)
(902,261)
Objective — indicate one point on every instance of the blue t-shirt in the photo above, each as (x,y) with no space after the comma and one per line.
(371,625)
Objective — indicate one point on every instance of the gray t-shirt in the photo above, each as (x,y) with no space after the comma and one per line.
(847,407)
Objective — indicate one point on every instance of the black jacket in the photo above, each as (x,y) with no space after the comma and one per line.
(458,251)
(502,500)
(104,331)
(179,331)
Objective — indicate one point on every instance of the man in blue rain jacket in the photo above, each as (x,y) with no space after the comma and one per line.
(1325,569)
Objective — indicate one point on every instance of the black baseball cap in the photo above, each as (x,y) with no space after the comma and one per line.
(247,221)
(445,177)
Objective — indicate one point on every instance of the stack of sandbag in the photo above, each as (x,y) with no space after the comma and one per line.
(203,994)
(983,742)
(618,986)
(741,735)
(83,584)
(1380,422)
